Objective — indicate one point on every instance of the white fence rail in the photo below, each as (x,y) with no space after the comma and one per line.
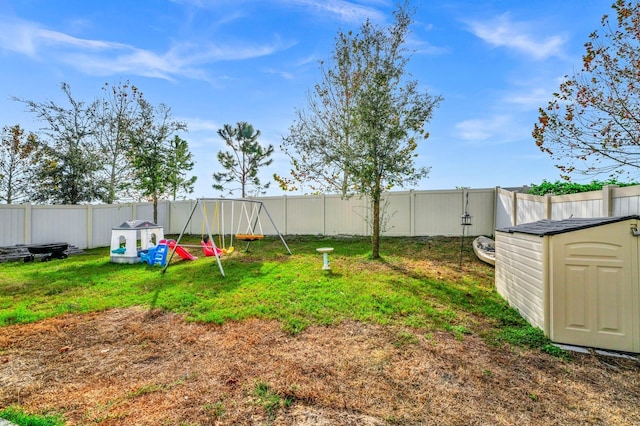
(407,213)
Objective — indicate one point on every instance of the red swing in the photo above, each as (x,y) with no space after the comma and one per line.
(209,249)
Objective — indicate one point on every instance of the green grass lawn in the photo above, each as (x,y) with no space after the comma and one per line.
(418,283)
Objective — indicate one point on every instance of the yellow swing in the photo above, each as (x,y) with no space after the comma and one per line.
(249,234)
(217,218)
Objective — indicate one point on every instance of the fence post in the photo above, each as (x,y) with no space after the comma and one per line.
(412,212)
(514,208)
(324,215)
(548,206)
(496,196)
(607,200)
(89,225)
(285,218)
(168,214)
(27,223)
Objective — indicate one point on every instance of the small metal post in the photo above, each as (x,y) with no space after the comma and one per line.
(465,220)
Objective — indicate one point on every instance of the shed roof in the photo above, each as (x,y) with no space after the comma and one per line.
(553,227)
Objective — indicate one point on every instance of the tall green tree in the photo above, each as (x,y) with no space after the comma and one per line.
(116,115)
(590,126)
(70,161)
(322,135)
(380,116)
(243,161)
(17,160)
(180,163)
(151,151)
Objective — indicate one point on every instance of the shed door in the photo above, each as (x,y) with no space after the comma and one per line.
(593,275)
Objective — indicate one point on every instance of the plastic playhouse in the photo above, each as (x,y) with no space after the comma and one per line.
(124,240)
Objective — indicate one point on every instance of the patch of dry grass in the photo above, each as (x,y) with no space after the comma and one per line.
(134,366)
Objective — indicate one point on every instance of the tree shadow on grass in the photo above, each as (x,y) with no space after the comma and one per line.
(190,281)
(94,283)
(460,295)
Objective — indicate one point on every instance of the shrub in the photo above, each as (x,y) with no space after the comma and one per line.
(563,187)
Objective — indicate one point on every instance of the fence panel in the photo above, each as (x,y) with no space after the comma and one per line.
(626,201)
(12,224)
(504,208)
(105,218)
(144,211)
(530,208)
(438,212)
(586,204)
(208,212)
(179,214)
(276,207)
(305,215)
(482,203)
(51,224)
(396,214)
(345,216)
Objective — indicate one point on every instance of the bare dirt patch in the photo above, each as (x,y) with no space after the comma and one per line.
(138,367)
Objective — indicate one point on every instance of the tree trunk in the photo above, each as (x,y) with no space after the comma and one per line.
(375,238)
(155,209)
(111,197)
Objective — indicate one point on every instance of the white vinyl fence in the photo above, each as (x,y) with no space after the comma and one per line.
(85,226)
(514,208)
(407,213)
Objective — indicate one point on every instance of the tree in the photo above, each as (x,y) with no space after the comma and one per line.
(17,159)
(321,136)
(243,162)
(180,163)
(376,110)
(151,150)
(70,161)
(591,124)
(115,117)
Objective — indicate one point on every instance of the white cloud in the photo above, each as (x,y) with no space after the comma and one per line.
(99,57)
(29,38)
(533,98)
(474,130)
(343,10)
(495,129)
(284,74)
(503,32)
(424,47)
(195,124)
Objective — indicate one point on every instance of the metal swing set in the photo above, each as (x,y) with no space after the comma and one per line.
(248,227)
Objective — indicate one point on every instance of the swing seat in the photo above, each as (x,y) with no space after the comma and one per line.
(209,249)
(249,237)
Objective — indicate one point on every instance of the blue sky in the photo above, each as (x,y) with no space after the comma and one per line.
(217,62)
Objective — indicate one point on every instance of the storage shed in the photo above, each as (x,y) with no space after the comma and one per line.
(576,279)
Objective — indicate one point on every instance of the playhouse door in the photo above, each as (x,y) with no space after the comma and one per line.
(594,288)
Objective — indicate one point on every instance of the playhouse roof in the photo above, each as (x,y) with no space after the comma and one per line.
(553,227)
(136,224)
